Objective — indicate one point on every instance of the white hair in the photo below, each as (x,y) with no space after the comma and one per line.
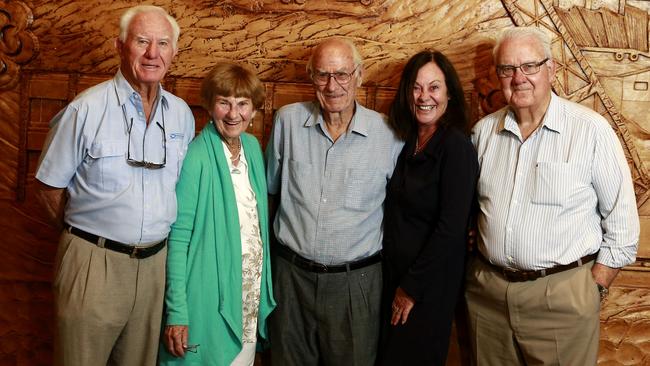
(540,36)
(129,14)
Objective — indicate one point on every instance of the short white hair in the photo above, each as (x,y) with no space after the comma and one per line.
(542,38)
(127,17)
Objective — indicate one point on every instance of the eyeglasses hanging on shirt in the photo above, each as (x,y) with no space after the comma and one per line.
(144,163)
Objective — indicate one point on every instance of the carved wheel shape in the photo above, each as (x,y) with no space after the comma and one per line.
(18,46)
(573,66)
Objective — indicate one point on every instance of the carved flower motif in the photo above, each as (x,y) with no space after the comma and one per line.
(18,46)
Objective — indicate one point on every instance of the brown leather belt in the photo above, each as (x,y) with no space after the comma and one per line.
(515,275)
(311,266)
(132,250)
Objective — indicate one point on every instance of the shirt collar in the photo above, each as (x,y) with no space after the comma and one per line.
(125,91)
(552,118)
(358,124)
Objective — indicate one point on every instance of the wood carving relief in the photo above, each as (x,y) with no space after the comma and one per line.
(601,47)
(18,46)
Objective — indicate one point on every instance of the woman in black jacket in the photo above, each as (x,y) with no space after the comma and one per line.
(427,211)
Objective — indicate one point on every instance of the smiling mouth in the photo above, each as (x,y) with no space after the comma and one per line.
(232,123)
(425,108)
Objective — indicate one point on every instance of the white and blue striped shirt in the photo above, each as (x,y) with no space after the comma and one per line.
(563,193)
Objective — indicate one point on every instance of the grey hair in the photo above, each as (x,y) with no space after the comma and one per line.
(356,56)
(129,14)
(542,38)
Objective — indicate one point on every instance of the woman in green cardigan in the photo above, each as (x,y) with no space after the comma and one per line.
(219,293)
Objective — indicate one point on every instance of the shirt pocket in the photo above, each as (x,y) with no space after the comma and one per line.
(303,182)
(174,160)
(557,182)
(364,188)
(106,168)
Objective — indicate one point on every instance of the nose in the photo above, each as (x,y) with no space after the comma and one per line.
(232,112)
(424,95)
(152,50)
(518,76)
(332,84)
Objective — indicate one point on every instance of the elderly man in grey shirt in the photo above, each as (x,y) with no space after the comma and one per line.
(329,161)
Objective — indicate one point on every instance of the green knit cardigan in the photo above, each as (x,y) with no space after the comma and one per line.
(204,260)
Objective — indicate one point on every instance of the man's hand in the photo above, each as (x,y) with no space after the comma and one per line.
(175,339)
(604,275)
(402,305)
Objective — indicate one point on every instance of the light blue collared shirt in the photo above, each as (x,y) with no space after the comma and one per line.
(331,193)
(86,152)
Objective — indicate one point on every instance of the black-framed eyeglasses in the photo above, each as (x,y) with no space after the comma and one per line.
(322,78)
(528,68)
(144,163)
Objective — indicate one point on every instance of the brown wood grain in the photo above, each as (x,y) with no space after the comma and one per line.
(68,45)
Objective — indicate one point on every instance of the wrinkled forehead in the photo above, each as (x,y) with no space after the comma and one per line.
(150,23)
(337,57)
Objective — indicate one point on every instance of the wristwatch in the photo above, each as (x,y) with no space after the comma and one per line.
(603,291)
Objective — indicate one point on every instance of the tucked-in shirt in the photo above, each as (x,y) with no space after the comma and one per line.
(563,193)
(251,243)
(87,149)
(331,193)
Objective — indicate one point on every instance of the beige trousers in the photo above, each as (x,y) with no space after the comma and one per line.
(553,320)
(108,305)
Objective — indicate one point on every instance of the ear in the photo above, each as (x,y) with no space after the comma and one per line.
(360,72)
(118,45)
(552,68)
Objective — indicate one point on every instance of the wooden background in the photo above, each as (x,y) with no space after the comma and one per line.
(51,50)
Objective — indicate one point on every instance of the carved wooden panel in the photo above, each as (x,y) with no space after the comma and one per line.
(51,50)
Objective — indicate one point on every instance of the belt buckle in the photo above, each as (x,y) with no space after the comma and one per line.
(319,267)
(134,252)
(510,273)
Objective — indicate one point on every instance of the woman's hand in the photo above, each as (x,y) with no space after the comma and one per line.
(402,305)
(175,339)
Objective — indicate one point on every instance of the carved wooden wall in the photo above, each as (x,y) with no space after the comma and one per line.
(51,50)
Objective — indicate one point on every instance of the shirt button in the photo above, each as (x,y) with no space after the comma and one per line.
(510,258)
(324,200)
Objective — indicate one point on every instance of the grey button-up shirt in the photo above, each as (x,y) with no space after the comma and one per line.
(331,193)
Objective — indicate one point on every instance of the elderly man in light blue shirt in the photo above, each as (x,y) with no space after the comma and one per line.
(108,173)
(328,165)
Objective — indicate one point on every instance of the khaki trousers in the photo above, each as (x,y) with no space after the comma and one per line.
(108,305)
(553,320)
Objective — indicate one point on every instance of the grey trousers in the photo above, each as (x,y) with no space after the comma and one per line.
(325,318)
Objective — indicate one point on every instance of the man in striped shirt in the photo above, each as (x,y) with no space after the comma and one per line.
(557,217)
